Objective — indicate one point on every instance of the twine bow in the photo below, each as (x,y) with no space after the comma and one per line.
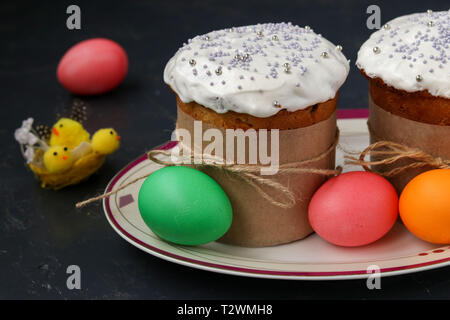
(245,172)
(389,152)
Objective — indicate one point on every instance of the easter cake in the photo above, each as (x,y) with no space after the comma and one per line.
(264,76)
(408,68)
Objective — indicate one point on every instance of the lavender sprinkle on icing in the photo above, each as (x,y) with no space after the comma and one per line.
(261,63)
(420,38)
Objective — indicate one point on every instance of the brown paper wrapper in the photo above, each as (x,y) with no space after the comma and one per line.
(257,222)
(432,139)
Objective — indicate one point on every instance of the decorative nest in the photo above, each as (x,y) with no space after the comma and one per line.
(86,158)
(80,170)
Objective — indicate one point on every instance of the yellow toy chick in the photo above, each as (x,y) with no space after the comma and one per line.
(69,133)
(58,159)
(105,141)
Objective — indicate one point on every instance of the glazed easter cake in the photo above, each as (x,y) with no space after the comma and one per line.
(265,76)
(408,68)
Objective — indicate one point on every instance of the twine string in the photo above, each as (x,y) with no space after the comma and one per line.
(105,195)
(248,173)
(240,171)
(389,152)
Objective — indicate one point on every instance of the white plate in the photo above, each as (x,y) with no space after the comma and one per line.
(398,252)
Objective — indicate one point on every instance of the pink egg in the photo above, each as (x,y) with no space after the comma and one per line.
(93,66)
(354,209)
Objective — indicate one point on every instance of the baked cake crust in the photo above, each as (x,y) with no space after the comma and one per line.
(419,106)
(283,120)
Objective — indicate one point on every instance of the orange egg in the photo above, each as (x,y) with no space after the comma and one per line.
(425,206)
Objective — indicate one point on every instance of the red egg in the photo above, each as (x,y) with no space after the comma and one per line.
(354,209)
(93,66)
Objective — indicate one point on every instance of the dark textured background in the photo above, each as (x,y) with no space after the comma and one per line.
(41,233)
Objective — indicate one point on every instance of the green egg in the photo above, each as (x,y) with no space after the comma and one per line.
(184,206)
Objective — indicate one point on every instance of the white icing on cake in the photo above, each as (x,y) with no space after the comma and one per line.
(413,53)
(244,69)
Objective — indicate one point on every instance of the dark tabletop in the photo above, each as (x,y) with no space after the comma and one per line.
(41,232)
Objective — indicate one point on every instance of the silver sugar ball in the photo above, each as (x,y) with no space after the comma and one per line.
(207,38)
(419,78)
(339,47)
(430,23)
(246,56)
(237,57)
(376,50)
(219,71)
(429,11)
(259,34)
(307,28)
(324,54)
(275,103)
(275,37)
(192,62)
(386,27)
